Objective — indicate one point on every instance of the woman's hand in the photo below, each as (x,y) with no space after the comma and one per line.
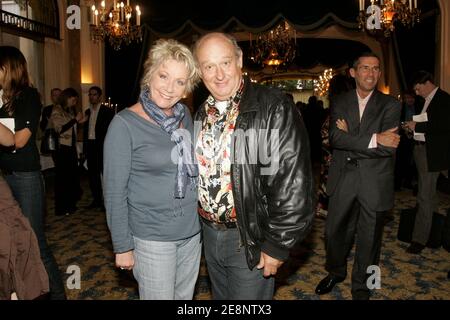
(6,136)
(342,125)
(125,260)
(80,117)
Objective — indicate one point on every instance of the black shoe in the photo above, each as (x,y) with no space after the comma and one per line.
(415,248)
(361,295)
(327,284)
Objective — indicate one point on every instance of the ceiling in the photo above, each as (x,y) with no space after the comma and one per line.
(184,20)
(176,17)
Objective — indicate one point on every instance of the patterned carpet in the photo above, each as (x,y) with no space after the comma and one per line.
(82,239)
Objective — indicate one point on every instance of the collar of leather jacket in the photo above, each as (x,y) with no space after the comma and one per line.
(247,105)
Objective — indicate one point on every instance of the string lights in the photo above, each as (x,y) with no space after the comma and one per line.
(322,84)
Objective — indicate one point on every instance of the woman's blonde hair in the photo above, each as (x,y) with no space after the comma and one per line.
(165,49)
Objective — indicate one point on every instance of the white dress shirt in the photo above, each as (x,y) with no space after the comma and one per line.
(93,121)
(362,103)
(417,135)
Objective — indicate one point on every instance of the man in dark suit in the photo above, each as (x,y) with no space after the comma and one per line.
(47,111)
(99,117)
(405,168)
(431,153)
(363,125)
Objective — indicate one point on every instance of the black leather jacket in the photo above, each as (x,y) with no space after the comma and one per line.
(273,199)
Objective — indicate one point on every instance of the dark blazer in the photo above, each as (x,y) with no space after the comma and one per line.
(437,132)
(376,166)
(104,118)
(46,113)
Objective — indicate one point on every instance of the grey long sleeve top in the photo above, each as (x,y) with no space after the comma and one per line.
(139,182)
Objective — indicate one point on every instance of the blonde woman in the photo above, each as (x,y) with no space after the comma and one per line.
(150,179)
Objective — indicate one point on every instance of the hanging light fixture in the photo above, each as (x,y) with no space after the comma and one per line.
(115,24)
(275,47)
(383,14)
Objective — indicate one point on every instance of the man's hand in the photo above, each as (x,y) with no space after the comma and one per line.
(125,260)
(269,264)
(389,138)
(342,125)
(411,125)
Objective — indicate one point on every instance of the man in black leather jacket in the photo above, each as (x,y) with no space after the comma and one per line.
(255,182)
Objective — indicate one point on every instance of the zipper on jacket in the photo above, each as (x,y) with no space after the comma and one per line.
(236,187)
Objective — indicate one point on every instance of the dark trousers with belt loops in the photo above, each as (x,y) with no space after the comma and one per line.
(350,220)
(231,279)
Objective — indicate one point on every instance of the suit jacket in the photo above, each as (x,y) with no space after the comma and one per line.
(104,118)
(46,113)
(437,132)
(375,166)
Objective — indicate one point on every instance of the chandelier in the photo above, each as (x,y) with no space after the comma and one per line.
(115,24)
(382,15)
(323,83)
(275,47)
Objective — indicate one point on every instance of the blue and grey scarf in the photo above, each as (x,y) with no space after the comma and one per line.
(187,170)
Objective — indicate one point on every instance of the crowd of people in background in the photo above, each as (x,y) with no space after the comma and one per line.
(346,161)
(20,167)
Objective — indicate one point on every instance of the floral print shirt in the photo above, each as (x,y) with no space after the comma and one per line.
(213,151)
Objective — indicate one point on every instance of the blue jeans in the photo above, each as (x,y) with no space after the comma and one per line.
(167,270)
(231,279)
(28,190)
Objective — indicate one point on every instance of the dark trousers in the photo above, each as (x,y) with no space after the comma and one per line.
(405,168)
(28,189)
(67,180)
(349,219)
(231,279)
(427,197)
(94,162)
